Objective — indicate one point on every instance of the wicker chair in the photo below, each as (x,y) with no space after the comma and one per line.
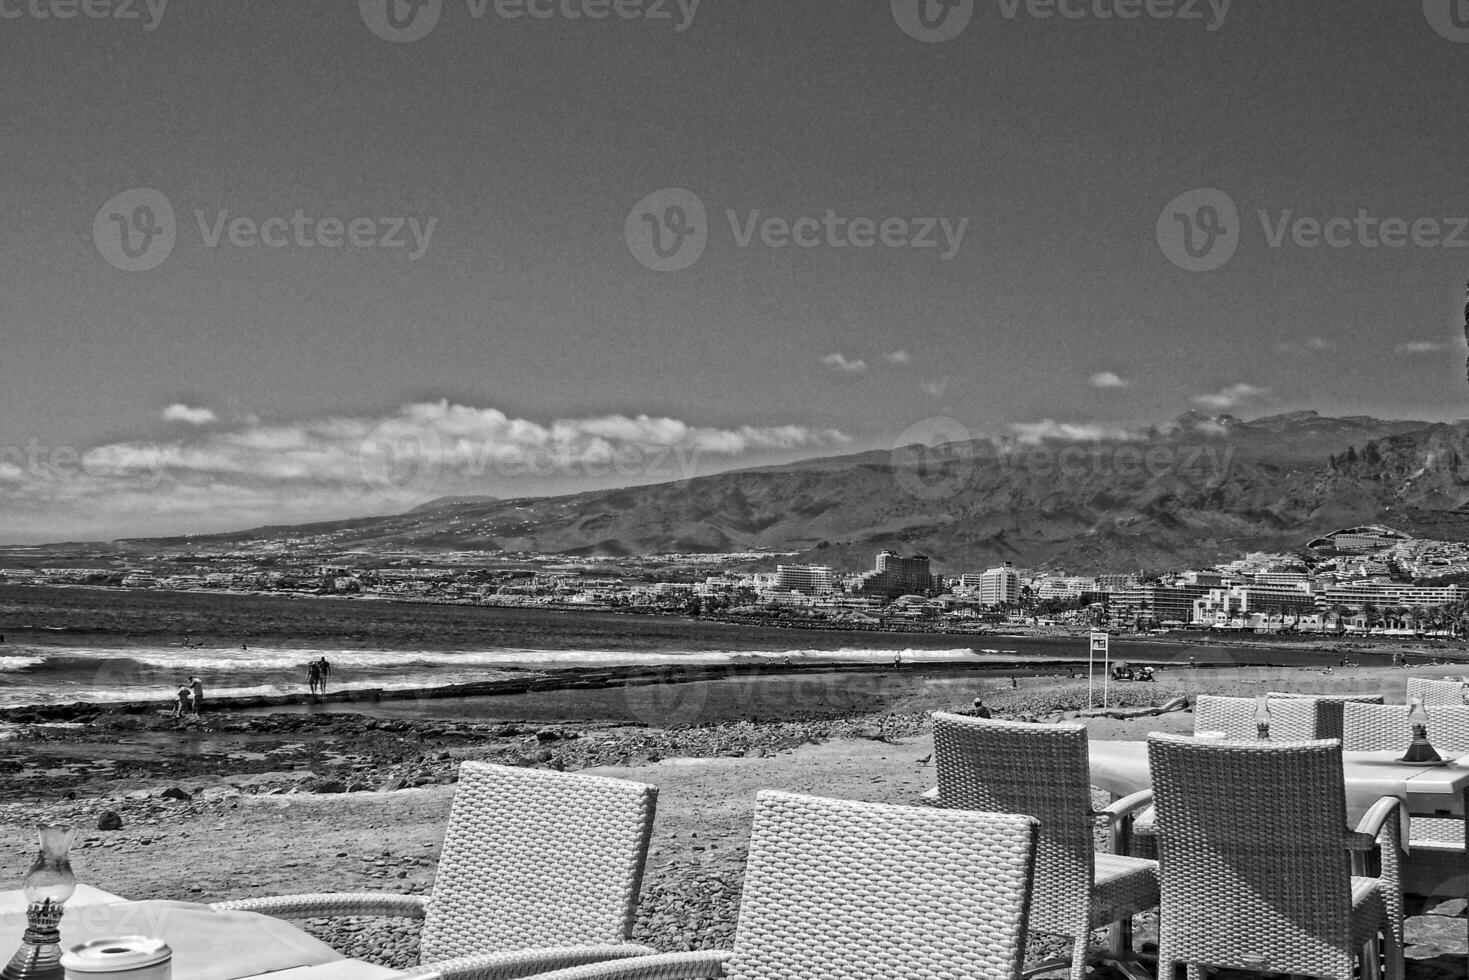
(1329,709)
(1042,770)
(1437,692)
(1436,863)
(1291,719)
(539,870)
(866,891)
(1253,845)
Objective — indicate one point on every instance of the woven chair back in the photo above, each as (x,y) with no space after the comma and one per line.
(1038,770)
(868,891)
(1436,692)
(1291,719)
(1384,727)
(1252,855)
(1329,709)
(534,857)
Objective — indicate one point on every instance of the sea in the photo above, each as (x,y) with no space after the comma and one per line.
(63,645)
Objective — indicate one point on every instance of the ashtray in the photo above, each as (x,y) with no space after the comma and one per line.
(1430,762)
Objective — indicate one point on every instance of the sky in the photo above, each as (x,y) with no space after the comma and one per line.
(276,262)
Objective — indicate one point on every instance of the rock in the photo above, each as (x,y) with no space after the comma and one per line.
(109,820)
(329,786)
(175,793)
(1440,933)
(394,784)
(1454,906)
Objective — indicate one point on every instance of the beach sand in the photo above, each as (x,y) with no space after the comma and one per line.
(262,826)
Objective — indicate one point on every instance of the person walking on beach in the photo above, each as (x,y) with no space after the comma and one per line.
(980,711)
(182,697)
(196,691)
(325,670)
(313,676)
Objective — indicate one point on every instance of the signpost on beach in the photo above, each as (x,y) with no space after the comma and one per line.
(1098,645)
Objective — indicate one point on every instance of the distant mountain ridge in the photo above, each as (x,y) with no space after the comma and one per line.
(1198,490)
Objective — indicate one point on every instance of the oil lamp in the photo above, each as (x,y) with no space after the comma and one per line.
(47,886)
(1419,750)
(1262,717)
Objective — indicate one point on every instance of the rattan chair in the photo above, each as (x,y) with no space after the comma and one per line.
(1291,719)
(539,870)
(1042,770)
(1437,692)
(1253,846)
(1329,709)
(866,891)
(1436,863)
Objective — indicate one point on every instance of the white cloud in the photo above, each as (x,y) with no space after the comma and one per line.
(1106,379)
(898,357)
(1232,397)
(1310,345)
(247,472)
(1420,347)
(1032,432)
(840,362)
(193,416)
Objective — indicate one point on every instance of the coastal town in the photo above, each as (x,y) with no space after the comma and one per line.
(1369,579)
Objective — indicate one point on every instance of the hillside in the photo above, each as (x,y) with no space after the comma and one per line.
(1200,490)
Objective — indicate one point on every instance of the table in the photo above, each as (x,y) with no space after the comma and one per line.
(1437,791)
(207,944)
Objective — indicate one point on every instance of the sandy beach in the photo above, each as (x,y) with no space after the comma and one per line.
(244,804)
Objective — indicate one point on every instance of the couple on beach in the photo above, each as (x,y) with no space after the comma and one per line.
(190,698)
(316,674)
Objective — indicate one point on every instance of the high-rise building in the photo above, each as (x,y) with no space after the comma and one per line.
(811,579)
(896,575)
(999,586)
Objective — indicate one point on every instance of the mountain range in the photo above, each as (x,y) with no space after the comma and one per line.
(1198,490)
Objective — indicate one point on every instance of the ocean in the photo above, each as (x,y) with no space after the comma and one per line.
(73,644)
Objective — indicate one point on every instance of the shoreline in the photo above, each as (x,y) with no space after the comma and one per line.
(580,678)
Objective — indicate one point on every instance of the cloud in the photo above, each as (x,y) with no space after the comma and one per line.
(179,412)
(898,357)
(1033,432)
(935,389)
(1106,379)
(1420,347)
(246,472)
(1232,397)
(1308,346)
(839,362)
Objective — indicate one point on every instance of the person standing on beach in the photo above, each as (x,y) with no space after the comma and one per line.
(313,676)
(980,711)
(181,702)
(325,669)
(196,690)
